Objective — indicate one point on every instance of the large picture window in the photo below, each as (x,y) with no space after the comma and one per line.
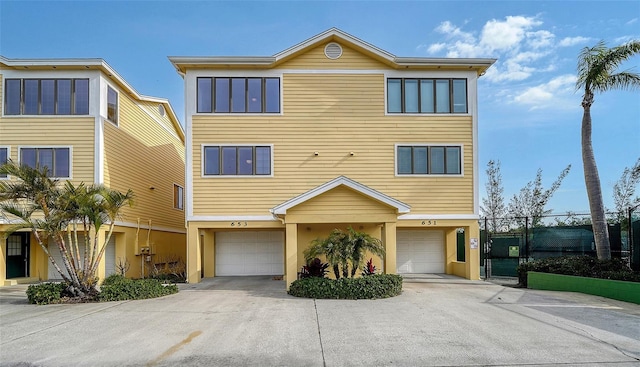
(238,95)
(46,97)
(236,160)
(416,95)
(428,160)
(57,160)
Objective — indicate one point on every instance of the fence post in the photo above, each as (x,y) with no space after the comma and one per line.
(526,237)
(486,248)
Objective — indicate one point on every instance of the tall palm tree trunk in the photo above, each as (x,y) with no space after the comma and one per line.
(592,182)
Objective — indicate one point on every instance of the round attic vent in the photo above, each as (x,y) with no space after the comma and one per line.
(333,50)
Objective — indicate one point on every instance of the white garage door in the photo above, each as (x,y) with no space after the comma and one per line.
(249,253)
(109,255)
(420,252)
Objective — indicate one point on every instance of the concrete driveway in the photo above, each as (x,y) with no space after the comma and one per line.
(437,321)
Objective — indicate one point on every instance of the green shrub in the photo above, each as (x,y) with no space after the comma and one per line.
(45,293)
(118,288)
(369,287)
(581,266)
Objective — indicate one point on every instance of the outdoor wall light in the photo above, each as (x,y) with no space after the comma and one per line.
(316,153)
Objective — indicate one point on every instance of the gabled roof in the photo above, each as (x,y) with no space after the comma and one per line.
(182,63)
(91,64)
(341,181)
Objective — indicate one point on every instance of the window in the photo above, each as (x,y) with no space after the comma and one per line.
(4,157)
(112,105)
(178,197)
(412,95)
(57,160)
(237,160)
(46,97)
(238,95)
(428,160)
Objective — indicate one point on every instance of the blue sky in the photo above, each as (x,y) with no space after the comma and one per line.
(529,111)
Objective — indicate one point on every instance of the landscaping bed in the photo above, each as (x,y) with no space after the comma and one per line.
(366,287)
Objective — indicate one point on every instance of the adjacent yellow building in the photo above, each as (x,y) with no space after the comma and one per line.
(330,133)
(87,124)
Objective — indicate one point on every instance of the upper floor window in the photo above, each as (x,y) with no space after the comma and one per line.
(237,160)
(178,197)
(46,97)
(4,157)
(112,105)
(428,160)
(57,160)
(238,95)
(409,95)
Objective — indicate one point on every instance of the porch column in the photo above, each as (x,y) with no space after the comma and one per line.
(291,253)
(193,254)
(3,258)
(209,253)
(389,238)
(472,255)
(102,265)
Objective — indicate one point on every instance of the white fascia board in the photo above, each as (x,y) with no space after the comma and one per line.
(341,180)
(231,218)
(439,217)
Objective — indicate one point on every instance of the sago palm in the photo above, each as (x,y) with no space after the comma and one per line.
(597,72)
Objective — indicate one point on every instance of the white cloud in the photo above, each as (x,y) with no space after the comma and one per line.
(452,31)
(540,39)
(632,21)
(553,94)
(572,41)
(506,35)
(436,47)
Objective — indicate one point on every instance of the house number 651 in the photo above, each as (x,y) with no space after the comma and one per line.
(429,222)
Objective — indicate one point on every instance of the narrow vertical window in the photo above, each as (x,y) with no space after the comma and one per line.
(442,96)
(272,95)
(47,97)
(81,97)
(436,161)
(178,197)
(63,90)
(238,95)
(420,160)
(245,160)
(459,96)
(427,102)
(31,94)
(404,160)
(254,95)
(28,157)
(13,96)
(222,95)
(263,160)
(62,163)
(394,95)
(453,160)
(229,161)
(45,159)
(112,105)
(411,95)
(204,95)
(4,157)
(212,160)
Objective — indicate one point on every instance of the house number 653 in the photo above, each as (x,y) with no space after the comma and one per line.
(429,222)
(238,224)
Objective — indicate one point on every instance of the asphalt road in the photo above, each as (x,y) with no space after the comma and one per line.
(437,321)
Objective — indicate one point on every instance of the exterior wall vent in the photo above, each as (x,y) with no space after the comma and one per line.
(333,50)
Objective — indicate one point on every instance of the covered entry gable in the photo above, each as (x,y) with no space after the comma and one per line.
(341,200)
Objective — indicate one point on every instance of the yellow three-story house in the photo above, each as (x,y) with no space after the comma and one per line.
(330,133)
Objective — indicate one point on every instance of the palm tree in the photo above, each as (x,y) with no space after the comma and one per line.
(53,213)
(345,250)
(597,72)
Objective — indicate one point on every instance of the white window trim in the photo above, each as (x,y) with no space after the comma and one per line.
(117,122)
(428,175)
(202,146)
(191,85)
(8,148)
(429,75)
(174,197)
(20,147)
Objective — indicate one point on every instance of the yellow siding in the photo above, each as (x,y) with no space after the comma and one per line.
(316,59)
(77,132)
(140,154)
(338,200)
(1,93)
(333,115)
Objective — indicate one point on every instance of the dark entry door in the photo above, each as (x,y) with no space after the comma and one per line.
(17,255)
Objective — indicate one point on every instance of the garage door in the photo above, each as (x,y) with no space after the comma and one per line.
(249,253)
(420,252)
(109,256)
